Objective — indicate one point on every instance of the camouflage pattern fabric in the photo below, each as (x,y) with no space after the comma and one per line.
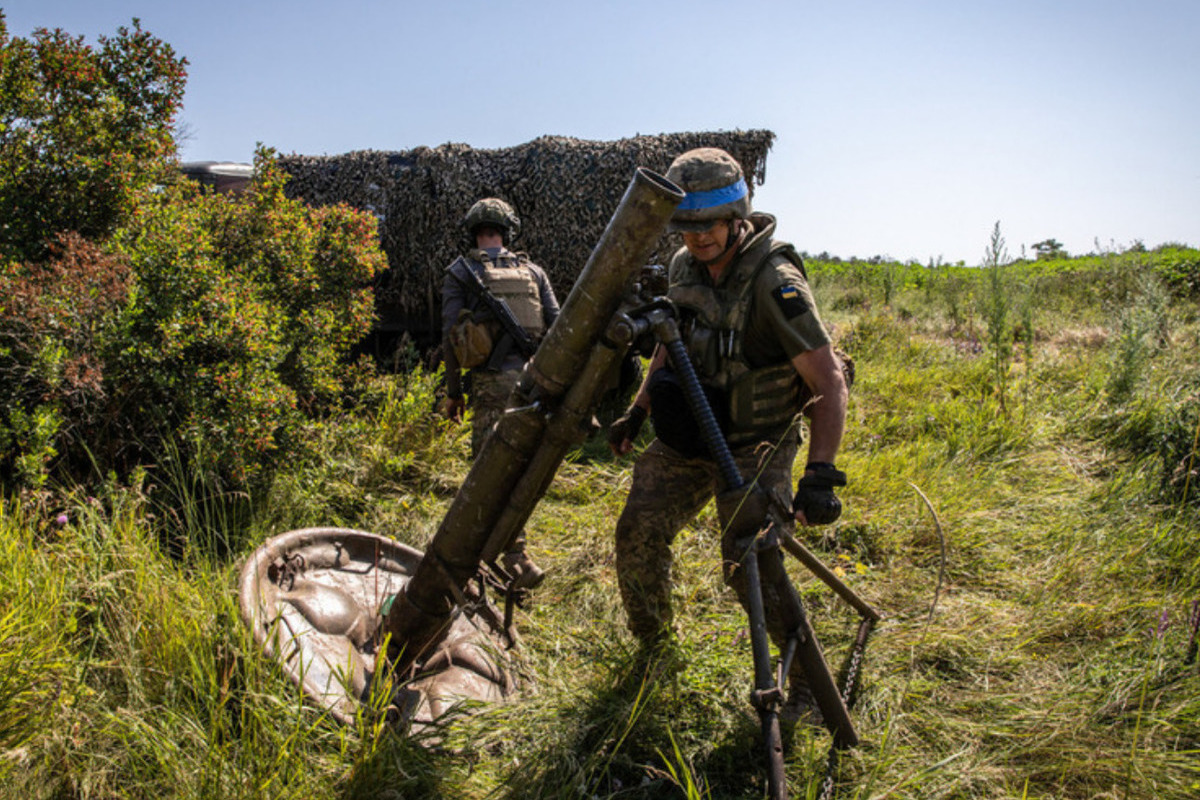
(668,491)
(488,399)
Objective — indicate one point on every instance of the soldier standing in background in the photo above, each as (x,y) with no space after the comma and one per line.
(496,306)
(762,356)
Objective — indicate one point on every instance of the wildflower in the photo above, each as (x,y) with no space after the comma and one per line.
(1164,621)
(61,519)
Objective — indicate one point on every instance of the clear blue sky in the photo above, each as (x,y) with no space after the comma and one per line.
(905,128)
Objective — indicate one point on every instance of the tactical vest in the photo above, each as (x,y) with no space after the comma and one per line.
(510,279)
(761,400)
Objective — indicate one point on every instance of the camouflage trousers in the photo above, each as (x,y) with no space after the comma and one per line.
(488,399)
(668,491)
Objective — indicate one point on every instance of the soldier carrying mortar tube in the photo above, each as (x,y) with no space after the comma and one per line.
(763,356)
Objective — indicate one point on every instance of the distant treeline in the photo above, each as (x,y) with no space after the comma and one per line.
(1178,265)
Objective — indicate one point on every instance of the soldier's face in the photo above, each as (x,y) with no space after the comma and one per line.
(486,236)
(707,245)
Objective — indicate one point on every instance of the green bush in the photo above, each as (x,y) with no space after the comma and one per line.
(141,319)
(244,311)
(203,334)
(83,132)
(54,318)
(1180,268)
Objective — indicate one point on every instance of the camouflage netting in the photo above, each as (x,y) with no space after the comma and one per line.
(564,190)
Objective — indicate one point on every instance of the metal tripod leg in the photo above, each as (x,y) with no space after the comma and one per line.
(767,694)
(808,649)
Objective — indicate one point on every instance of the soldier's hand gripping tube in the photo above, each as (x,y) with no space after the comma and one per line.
(627,426)
(814,494)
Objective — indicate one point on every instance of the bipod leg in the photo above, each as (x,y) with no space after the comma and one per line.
(747,512)
(827,576)
(767,695)
(808,650)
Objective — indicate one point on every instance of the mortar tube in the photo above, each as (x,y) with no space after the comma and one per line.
(422,609)
(622,251)
(563,430)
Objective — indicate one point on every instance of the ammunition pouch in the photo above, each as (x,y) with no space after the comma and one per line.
(763,400)
(471,340)
(674,423)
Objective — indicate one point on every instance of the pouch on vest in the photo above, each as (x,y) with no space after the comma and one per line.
(471,340)
(764,399)
(673,421)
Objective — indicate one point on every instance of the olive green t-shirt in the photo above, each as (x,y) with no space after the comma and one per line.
(783,319)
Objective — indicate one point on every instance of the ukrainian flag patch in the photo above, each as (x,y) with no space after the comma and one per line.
(791,301)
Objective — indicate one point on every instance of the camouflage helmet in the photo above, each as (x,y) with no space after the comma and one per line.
(495,212)
(715,189)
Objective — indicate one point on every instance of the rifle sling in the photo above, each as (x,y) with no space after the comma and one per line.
(514,334)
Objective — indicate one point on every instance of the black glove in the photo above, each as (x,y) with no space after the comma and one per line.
(626,427)
(814,494)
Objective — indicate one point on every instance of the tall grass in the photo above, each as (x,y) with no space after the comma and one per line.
(1051,665)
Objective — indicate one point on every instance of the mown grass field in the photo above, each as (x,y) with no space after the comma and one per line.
(1039,606)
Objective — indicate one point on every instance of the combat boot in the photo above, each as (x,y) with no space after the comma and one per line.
(525,574)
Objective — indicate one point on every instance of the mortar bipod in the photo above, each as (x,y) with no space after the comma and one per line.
(851,669)
(753,521)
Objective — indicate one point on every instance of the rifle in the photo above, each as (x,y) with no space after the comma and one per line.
(516,335)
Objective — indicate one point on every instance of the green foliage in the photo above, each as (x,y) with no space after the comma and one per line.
(1032,646)
(1180,450)
(1159,429)
(56,320)
(389,442)
(243,312)
(213,326)
(1035,627)
(83,131)
(1143,331)
(1179,266)
(35,660)
(163,325)
(1049,249)
(997,313)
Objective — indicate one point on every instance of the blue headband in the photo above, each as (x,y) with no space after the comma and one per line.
(694,201)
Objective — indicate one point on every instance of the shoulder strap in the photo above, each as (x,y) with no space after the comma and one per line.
(471,286)
(788,251)
(500,310)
